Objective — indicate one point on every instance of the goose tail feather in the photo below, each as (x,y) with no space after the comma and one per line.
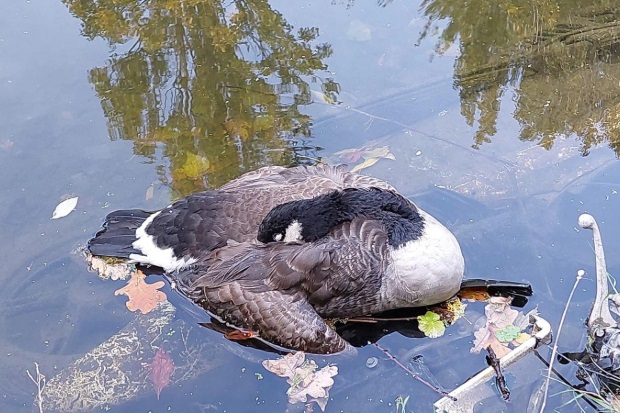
(118,234)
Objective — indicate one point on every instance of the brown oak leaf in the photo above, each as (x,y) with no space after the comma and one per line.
(307,383)
(160,370)
(142,296)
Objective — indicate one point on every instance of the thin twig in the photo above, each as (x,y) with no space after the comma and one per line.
(379,319)
(580,274)
(413,374)
(499,376)
(40,383)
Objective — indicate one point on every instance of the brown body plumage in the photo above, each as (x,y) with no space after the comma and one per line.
(364,263)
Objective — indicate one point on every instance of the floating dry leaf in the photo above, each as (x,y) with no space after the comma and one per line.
(449,311)
(371,156)
(150,191)
(350,155)
(503,327)
(160,370)
(6,144)
(142,296)
(64,208)
(285,366)
(367,163)
(307,384)
(108,268)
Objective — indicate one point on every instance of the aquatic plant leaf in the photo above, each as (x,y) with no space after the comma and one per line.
(306,383)
(160,370)
(64,208)
(142,296)
(508,333)
(431,325)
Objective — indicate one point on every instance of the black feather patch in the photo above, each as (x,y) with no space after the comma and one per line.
(118,234)
(320,215)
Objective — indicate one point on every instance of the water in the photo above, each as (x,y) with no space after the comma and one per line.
(487,129)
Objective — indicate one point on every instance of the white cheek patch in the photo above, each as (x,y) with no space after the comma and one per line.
(152,254)
(293,232)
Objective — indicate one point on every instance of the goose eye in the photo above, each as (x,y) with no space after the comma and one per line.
(277,237)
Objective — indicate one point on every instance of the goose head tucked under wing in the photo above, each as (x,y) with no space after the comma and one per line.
(423,260)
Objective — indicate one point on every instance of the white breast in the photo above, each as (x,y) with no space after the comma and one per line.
(427,270)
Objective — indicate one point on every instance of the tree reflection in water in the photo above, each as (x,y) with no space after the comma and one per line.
(561,56)
(207,90)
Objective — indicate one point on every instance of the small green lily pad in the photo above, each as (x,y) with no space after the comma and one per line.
(431,325)
(508,333)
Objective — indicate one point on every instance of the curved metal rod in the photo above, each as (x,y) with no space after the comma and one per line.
(600,316)
(469,394)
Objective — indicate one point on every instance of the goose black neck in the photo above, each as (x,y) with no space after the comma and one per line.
(319,215)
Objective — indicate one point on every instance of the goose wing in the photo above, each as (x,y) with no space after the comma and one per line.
(206,221)
(341,275)
(282,290)
(284,318)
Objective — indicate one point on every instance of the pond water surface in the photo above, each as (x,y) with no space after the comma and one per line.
(498,117)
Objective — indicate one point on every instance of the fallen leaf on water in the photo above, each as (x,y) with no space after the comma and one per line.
(503,327)
(149,192)
(431,325)
(350,155)
(499,313)
(142,296)
(321,97)
(108,268)
(64,208)
(160,370)
(485,338)
(285,366)
(307,384)
(449,311)
(383,152)
(371,156)
(367,163)
(238,335)
(6,144)
(475,294)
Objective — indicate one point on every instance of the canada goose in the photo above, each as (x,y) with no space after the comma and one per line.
(331,244)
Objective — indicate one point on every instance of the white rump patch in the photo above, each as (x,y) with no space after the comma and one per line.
(293,232)
(152,254)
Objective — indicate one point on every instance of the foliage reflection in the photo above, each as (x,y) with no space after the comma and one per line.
(561,55)
(205,89)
